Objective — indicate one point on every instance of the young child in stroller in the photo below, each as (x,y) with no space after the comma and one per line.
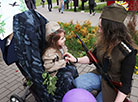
(54,62)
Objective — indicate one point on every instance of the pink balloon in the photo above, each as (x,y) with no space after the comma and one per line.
(78,95)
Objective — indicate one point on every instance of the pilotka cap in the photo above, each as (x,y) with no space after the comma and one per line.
(51,27)
(114,12)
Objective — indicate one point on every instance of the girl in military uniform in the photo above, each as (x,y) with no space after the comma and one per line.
(54,62)
(116,54)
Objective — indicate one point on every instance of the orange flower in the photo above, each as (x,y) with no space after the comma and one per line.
(77,27)
(84,31)
(93,31)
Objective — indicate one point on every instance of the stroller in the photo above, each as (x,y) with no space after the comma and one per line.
(29,43)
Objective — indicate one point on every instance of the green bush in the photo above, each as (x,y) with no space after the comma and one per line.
(99,8)
(85,31)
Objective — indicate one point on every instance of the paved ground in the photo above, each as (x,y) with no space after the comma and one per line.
(68,16)
(11,78)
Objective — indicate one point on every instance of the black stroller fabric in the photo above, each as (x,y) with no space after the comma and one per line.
(65,77)
(29,41)
(8,52)
(29,34)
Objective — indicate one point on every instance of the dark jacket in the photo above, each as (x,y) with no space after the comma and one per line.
(92,2)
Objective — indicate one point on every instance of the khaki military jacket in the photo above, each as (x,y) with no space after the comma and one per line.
(117,57)
(53,59)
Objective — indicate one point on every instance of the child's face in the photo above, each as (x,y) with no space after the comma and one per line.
(62,39)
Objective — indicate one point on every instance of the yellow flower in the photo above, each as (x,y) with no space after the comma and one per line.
(96,28)
(136,72)
(59,22)
(68,37)
(84,40)
(87,23)
(78,41)
(66,24)
(136,67)
(89,36)
(73,34)
(89,26)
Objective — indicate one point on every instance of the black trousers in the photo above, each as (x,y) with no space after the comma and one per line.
(91,8)
(49,7)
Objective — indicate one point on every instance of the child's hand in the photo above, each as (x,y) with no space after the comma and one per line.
(69,57)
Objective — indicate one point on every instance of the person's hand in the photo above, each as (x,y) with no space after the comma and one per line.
(69,57)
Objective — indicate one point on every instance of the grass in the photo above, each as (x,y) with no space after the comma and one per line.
(38,2)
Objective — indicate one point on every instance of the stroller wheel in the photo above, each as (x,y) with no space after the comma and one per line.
(16,98)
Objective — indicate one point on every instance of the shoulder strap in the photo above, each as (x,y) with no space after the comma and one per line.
(125,48)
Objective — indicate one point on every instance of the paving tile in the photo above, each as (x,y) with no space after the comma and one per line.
(7,71)
(6,78)
(2,77)
(2,90)
(4,94)
(3,84)
(133,99)
(12,79)
(135,81)
(1,70)
(11,84)
(14,87)
(134,91)
(13,92)
(11,72)
(31,98)
(21,93)
(20,78)
(21,87)
(5,99)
